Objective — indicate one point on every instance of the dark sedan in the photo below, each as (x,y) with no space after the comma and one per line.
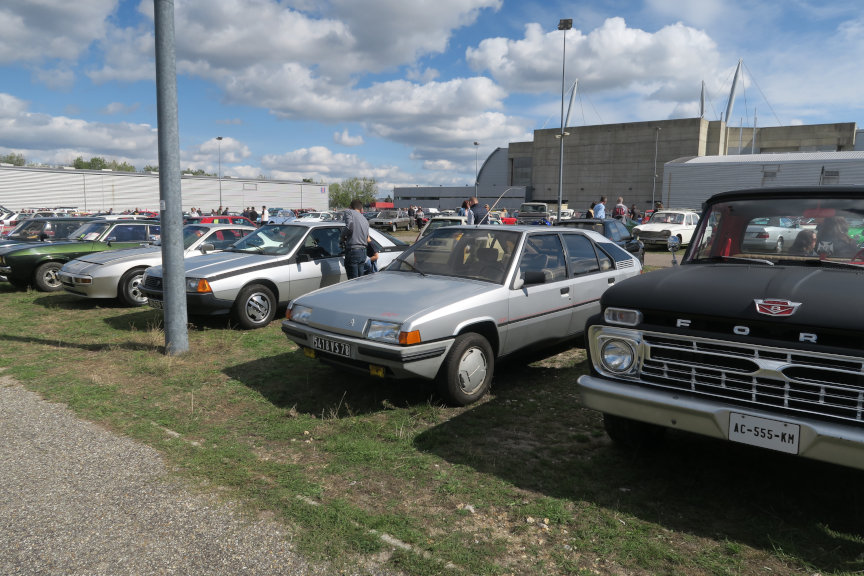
(613,229)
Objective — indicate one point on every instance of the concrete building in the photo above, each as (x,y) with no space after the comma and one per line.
(99,190)
(620,160)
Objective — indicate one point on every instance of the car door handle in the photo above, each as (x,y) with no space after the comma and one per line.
(565,290)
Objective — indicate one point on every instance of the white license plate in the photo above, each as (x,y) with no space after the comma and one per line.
(331,346)
(765,433)
(155,303)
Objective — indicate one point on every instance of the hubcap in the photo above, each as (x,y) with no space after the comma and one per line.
(257,308)
(472,370)
(134,290)
(51,278)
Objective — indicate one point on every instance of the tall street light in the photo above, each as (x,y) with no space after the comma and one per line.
(476,173)
(219,142)
(654,180)
(563,24)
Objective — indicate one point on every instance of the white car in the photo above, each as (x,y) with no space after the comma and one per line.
(318,217)
(666,223)
(118,273)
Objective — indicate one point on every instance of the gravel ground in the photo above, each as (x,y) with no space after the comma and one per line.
(76,500)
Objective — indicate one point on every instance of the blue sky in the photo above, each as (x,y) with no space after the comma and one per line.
(399,90)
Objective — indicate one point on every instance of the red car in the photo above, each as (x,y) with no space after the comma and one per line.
(218,220)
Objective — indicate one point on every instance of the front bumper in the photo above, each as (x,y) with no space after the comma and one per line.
(372,357)
(196,304)
(97,287)
(819,440)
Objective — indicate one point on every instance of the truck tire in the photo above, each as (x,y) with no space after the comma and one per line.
(466,374)
(632,434)
(46,278)
(255,307)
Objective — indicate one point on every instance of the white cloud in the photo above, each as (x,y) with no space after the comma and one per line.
(115,108)
(61,78)
(36,31)
(346,139)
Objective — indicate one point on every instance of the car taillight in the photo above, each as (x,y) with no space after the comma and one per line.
(762,235)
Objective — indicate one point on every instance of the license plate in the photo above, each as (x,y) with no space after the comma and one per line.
(331,346)
(765,433)
(155,303)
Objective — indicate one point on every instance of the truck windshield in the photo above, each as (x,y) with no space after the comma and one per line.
(792,230)
(532,208)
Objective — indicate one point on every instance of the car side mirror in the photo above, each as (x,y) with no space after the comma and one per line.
(303,258)
(110,239)
(531,277)
(206,247)
(673,243)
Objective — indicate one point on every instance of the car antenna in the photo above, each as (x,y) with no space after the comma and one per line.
(499,198)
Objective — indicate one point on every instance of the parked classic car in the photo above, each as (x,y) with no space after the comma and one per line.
(391,220)
(118,273)
(666,223)
(38,264)
(760,348)
(44,229)
(325,216)
(459,299)
(281,216)
(266,269)
(612,228)
(772,234)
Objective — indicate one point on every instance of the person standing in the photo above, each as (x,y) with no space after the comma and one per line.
(418,216)
(600,208)
(477,214)
(356,238)
(620,211)
(265,216)
(411,216)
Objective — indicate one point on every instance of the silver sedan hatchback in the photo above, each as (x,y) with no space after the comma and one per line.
(459,299)
(265,270)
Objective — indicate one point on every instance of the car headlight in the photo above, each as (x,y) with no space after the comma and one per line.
(617,355)
(386,331)
(198,285)
(299,314)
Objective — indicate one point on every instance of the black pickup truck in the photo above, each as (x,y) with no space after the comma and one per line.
(757,337)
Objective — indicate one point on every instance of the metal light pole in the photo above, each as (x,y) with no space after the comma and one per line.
(563,24)
(654,180)
(476,173)
(219,175)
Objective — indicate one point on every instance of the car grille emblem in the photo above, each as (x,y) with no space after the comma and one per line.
(351,322)
(776,307)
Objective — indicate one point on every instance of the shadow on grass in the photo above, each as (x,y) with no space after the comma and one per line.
(54,342)
(534,434)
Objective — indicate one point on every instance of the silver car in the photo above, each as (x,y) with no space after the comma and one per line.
(118,273)
(266,269)
(457,300)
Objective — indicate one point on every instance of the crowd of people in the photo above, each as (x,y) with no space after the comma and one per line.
(620,210)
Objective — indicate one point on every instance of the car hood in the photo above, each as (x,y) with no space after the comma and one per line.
(117,256)
(726,293)
(657,227)
(396,297)
(208,265)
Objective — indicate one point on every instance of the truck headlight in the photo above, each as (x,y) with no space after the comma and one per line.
(617,355)
(622,316)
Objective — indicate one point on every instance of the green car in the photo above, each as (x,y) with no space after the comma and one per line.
(38,264)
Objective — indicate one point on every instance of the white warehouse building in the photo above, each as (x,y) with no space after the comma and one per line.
(101,190)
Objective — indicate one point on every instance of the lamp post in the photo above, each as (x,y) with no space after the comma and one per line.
(219,175)
(654,180)
(563,24)
(476,173)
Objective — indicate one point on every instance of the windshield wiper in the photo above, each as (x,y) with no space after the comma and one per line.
(735,259)
(816,262)
(413,268)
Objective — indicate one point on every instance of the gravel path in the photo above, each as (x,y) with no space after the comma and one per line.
(78,500)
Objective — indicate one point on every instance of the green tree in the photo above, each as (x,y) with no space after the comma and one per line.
(121,166)
(198,172)
(149,168)
(14,159)
(341,194)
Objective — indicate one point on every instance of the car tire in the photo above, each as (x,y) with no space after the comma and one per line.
(632,434)
(129,288)
(255,307)
(46,278)
(393,227)
(466,374)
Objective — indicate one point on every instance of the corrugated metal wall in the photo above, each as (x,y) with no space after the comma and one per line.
(687,183)
(96,191)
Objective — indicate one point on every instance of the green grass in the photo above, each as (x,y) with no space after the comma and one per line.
(525,482)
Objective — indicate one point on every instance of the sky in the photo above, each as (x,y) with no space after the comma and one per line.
(400,90)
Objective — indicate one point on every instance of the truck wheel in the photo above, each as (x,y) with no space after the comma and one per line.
(393,227)
(632,434)
(255,307)
(46,278)
(129,288)
(466,373)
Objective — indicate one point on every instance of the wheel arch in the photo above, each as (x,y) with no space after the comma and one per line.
(485,328)
(263,282)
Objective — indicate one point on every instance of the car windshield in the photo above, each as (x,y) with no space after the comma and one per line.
(91,230)
(476,253)
(667,218)
(273,239)
(800,230)
(191,234)
(436,223)
(34,229)
(532,208)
